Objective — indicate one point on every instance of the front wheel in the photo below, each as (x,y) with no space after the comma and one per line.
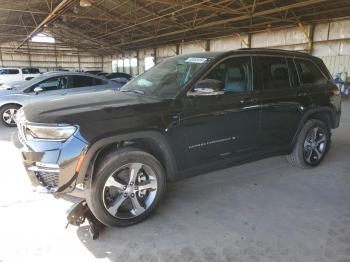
(126,188)
(8,113)
(311,146)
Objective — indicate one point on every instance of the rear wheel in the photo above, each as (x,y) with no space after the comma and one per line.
(126,188)
(312,145)
(8,113)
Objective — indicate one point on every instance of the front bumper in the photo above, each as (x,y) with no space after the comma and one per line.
(52,166)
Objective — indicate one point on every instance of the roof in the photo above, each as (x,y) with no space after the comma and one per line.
(68,73)
(111,26)
(272,51)
(263,51)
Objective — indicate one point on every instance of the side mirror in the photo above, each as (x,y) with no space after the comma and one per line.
(38,90)
(208,87)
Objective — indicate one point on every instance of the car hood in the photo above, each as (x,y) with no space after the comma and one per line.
(74,108)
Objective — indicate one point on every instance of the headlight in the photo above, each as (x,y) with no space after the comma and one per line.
(55,133)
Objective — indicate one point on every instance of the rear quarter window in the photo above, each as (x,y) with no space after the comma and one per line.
(310,73)
(83,81)
(99,82)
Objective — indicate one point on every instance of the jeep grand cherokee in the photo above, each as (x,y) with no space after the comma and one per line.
(187,115)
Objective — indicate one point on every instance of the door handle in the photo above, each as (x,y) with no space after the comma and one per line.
(176,118)
(177,115)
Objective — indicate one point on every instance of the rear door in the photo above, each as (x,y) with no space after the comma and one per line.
(83,84)
(281,108)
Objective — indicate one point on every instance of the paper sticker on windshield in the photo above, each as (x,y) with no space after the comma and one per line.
(196,60)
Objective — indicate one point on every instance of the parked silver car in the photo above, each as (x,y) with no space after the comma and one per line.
(48,86)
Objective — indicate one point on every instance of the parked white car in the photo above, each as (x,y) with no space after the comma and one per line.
(8,75)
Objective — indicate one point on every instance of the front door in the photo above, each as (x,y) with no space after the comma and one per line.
(50,88)
(223,124)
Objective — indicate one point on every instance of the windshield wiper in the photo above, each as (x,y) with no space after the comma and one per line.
(133,91)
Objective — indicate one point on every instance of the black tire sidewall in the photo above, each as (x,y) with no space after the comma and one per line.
(312,124)
(109,166)
(2,111)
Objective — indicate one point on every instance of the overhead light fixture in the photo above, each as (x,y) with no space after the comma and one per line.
(85,3)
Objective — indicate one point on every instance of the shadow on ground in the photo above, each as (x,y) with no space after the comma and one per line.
(263,211)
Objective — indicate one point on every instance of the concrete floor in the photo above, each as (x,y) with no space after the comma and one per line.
(262,211)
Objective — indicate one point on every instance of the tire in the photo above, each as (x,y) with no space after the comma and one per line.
(7,113)
(308,153)
(112,182)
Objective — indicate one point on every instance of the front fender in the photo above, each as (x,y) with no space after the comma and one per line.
(335,117)
(94,149)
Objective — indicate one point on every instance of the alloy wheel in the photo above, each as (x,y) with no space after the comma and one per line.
(130,190)
(315,145)
(9,116)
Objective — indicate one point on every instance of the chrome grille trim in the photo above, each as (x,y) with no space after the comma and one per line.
(49,180)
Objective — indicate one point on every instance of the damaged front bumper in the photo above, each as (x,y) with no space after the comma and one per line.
(52,166)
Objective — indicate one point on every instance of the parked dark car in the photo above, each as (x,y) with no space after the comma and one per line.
(188,115)
(119,75)
(119,78)
(48,86)
(93,72)
(102,74)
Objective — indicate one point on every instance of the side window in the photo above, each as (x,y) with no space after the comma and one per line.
(234,73)
(98,82)
(53,84)
(33,71)
(309,73)
(30,71)
(13,71)
(82,81)
(272,72)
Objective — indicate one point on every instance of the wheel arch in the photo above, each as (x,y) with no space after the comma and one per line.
(10,103)
(324,114)
(150,141)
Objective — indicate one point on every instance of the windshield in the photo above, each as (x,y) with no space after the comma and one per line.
(167,78)
(29,83)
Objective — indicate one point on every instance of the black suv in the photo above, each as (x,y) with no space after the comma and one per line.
(188,115)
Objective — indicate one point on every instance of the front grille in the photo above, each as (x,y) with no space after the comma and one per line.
(47,179)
